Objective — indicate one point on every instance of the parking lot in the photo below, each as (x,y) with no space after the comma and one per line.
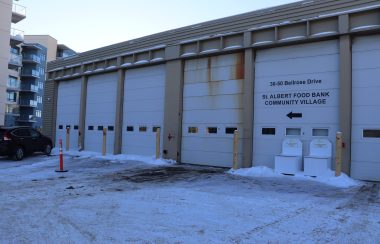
(111,200)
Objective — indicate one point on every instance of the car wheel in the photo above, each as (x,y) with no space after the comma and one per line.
(47,149)
(19,154)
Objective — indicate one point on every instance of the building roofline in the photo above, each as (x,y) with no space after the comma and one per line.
(239,23)
(42,35)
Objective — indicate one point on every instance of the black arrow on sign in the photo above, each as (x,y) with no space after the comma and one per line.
(292,115)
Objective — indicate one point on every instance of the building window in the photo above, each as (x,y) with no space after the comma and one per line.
(14,50)
(41,85)
(12,96)
(13,82)
(142,128)
(155,128)
(38,113)
(39,99)
(110,128)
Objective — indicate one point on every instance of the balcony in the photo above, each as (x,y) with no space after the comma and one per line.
(27,118)
(12,110)
(28,103)
(30,73)
(17,36)
(13,84)
(11,101)
(18,13)
(15,61)
(29,88)
(31,58)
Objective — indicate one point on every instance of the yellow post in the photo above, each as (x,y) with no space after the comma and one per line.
(338,154)
(235,155)
(67,138)
(158,142)
(104,148)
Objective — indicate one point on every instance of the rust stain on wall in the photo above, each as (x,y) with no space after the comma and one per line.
(209,69)
(240,66)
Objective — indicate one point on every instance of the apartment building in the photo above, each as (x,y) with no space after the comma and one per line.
(32,85)
(10,58)
(296,73)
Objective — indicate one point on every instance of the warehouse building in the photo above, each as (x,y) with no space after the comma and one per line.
(302,71)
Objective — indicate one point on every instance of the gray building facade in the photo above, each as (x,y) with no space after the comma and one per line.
(299,71)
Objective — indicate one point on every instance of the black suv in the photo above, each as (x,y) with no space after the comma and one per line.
(19,140)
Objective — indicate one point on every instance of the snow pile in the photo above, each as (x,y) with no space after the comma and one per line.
(343,181)
(116,158)
(259,171)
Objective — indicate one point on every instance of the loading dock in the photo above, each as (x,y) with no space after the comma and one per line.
(100,111)
(68,104)
(144,93)
(212,109)
(366,108)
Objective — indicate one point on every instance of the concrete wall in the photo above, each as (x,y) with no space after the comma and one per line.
(5,24)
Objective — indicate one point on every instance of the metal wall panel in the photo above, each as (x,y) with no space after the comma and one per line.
(302,79)
(212,97)
(100,111)
(365,164)
(144,93)
(68,106)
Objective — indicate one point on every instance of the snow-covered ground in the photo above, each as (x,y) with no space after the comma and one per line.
(117,199)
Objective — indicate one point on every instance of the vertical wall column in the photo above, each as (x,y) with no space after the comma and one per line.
(345,110)
(50,109)
(119,111)
(82,113)
(248,107)
(173,105)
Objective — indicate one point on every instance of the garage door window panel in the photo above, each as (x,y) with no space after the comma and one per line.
(293,131)
(130,128)
(268,131)
(230,130)
(192,130)
(212,130)
(371,133)
(320,132)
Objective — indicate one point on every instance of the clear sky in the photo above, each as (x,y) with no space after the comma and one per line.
(88,24)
